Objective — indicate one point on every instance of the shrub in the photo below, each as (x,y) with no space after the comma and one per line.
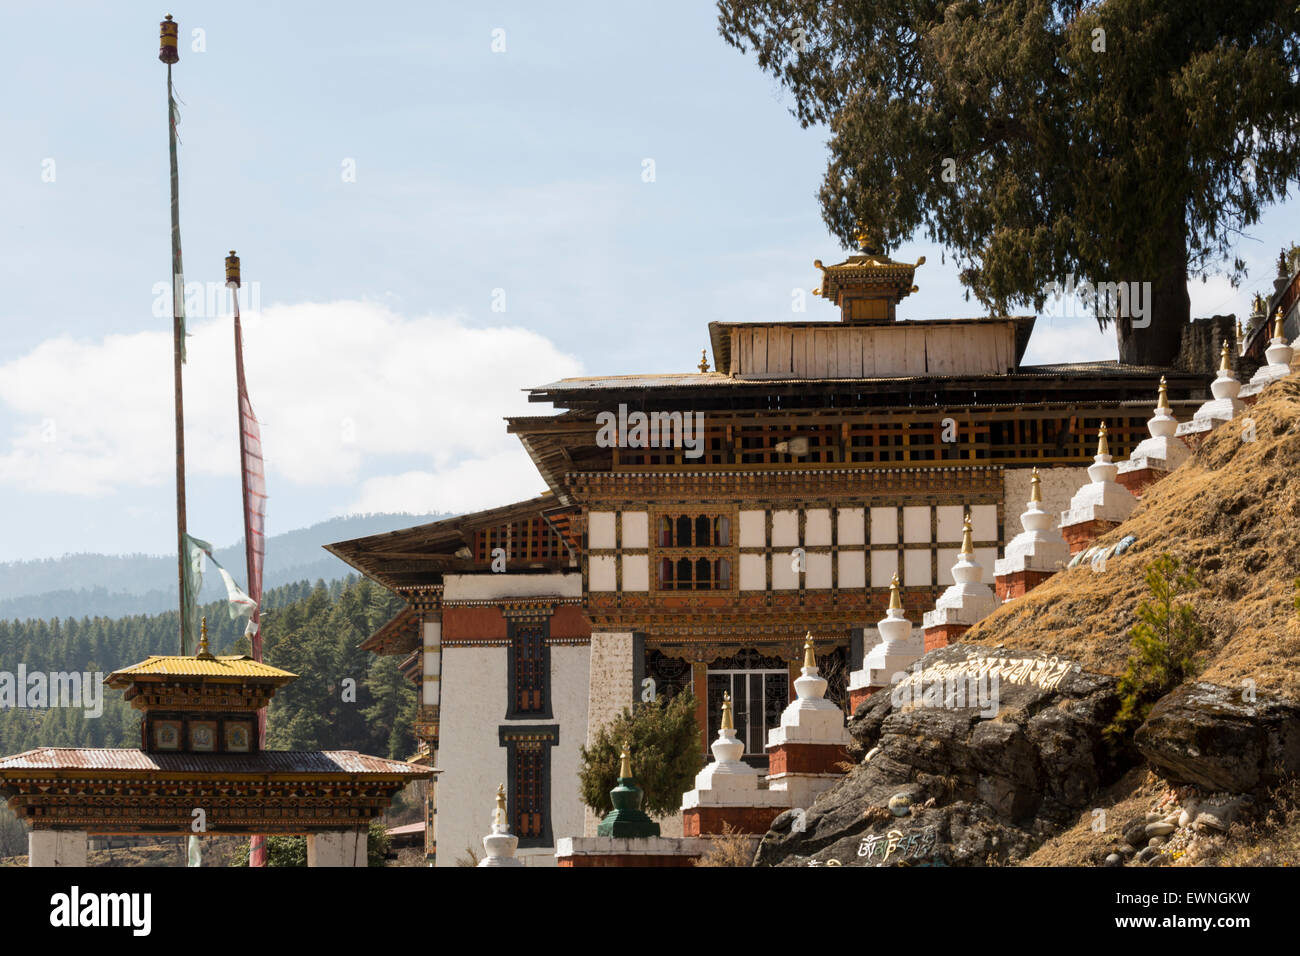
(665,739)
(1166,642)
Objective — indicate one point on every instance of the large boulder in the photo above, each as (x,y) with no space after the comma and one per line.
(976,757)
(1214,737)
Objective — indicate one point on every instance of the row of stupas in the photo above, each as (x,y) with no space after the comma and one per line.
(806,751)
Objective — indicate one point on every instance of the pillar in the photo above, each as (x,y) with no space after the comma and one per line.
(57,848)
(337,848)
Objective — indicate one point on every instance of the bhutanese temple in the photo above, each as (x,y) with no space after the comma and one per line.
(696,525)
(199,770)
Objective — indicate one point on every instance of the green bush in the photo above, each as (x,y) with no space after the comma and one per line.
(665,740)
(1166,643)
(292,850)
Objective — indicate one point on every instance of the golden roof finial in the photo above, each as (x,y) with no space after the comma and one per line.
(866,240)
(809,657)
(203,653)
(1103,447)
(704,360)
(1277,325)
(895,602)
(1163,400)
(728,722)
(1035,486)
(1223,358)
(625,761)
(967,547)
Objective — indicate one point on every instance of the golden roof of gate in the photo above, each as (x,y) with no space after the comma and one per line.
(233,667)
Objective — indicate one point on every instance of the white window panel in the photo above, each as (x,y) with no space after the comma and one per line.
(784,577)
(984,522)
(884,526)
(948,522)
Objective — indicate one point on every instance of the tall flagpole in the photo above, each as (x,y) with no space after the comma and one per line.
(169,54)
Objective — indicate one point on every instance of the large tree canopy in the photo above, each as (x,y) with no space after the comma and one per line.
(1115,141)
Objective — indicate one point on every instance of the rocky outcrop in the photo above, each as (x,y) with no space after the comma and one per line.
(1213,737)
(976,757)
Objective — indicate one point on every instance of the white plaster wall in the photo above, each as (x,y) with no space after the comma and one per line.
(570,684)
(600,572)
(487,587)
(817,527)
(1058,486)
(819,569)
(884,565)
(884,525)
(600,529)
(916,568)
(851,524)
(753,572)
(785,529)
(916,523)
(636,572)
(784,575)
(948,522)
(753,532)
(636,529)
(609,692)
(852,569)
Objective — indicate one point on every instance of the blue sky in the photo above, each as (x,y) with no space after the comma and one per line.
(376,358)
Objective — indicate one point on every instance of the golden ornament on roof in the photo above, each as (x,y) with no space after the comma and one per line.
(895,601)
(728,722)
(704,360)
(1162,401)
(967,546)
(809,658)
(1035,483)
(1103,447)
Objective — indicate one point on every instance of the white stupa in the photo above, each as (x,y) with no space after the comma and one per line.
(968,598)
(1224,407)
(500,844)
(1279,355)
(898,649)
(728,781)
(1101,500)
(805,748)
(1162,451)
(1039,548)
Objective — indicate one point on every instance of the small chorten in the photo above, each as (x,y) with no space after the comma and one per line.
(1099,505)
(965,602)
(500,844)
(1279,355)
(1158,455)
(627,819)
(727,790)
(900,646)
(804,750)
(1035,554)
(1225,406)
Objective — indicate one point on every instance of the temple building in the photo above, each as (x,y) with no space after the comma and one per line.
(696,525)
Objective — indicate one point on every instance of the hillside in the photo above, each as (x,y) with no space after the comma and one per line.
(1206,773)
(101,585)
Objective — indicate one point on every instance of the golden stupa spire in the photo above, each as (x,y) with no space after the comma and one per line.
(1241,334)
(1223,358)
(728,723)
(1035,486)
(1163,400)
(809,658)
(704,360)
(204,653)
(967,546)
(1277,325)
(1103,447)
(895,602)
(501,801)
(625,761)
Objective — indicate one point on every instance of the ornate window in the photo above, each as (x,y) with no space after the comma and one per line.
(528,784)
(529,671)
(693,551)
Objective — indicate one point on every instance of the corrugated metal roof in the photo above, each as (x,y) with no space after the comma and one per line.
(267,762)
(234,666)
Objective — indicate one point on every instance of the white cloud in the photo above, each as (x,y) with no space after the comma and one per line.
(469,485)
(339,387)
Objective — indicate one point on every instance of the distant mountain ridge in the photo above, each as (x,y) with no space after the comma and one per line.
(87,585)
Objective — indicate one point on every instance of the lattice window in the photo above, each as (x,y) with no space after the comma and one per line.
(528,780)
(693,552)
(530,671)
(524,541)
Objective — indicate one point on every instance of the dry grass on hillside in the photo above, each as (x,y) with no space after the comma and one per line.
(1231,513)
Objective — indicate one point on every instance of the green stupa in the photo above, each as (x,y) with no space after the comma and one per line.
(627,819)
